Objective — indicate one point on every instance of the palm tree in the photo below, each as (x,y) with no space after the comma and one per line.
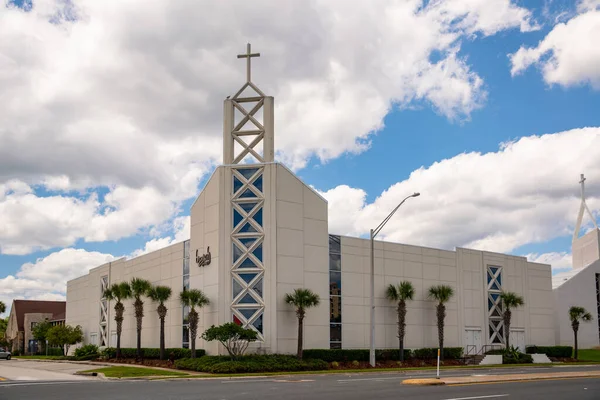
(139,288)
(118,292)
(576,314)
(160,294)
(509,300)
(441,294)
(2,307)
(400,293)
(302,299)
(192,299)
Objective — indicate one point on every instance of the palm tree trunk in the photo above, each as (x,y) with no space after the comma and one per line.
(193,322)
(119,309)
(575,329)
(507,317)
(139,314)
(441,315)
(162,313)
(300,314)
(401,326)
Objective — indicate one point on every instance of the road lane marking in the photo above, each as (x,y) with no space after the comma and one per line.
(248,381)
(480,397)
(368,379)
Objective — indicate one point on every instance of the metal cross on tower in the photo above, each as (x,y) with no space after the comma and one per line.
(248,57)
(582,207)
(248,122)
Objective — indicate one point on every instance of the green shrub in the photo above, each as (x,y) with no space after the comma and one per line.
(347,355)
(450,353)
(89,350)
(551,351)
(521,359)
(54,351)
(335,364)
(250,363)
(355,363)
(151,353)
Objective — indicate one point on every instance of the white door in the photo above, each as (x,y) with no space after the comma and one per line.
(472,341)
(517,339)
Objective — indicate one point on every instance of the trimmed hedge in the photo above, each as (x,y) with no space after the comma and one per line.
(152,353)
(523,359)
(250,363)
(551,351)
(331,355)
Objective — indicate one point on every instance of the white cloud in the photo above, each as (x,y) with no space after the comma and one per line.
(46,278)
(568,55)
(181,229)
(97,102)
(558,260)
(526,192)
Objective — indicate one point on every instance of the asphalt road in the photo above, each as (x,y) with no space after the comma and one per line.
(319,387)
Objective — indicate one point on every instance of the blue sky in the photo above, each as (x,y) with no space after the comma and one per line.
(417,133)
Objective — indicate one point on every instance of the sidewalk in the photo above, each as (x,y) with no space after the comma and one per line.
(481,379)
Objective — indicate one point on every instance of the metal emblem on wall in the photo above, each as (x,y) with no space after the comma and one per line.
(204,259)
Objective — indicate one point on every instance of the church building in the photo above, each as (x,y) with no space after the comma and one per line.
(258,232)
(581,285)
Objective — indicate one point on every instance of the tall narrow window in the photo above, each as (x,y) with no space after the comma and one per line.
(247,238)
(335,292)
(103,312)
(494,304)
(598,301)
(185,339)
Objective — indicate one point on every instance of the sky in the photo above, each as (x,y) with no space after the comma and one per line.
(110,121)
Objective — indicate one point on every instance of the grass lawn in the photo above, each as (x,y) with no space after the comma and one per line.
(132,372)
(589,355)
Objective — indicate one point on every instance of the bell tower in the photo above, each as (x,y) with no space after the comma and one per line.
(586,248)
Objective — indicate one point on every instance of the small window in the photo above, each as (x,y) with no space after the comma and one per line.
(33,325)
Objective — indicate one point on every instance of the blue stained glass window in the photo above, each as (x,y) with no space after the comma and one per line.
(258,183)
(247,194)
(247,172)
(499,279)
(248,242)
(490,304)
(489,277)
(248,206)
(247,277)
(495,296)
(258,216)
(247,263)
(258,324)
(494,270)
(248,312)
(237,253)
(248,228)
(258,253)
(495,286)
(258,287)
(237,184)
(237,288)
(247,299)
(237,218)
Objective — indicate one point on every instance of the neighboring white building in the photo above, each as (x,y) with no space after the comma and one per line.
(266,232)
(580,286)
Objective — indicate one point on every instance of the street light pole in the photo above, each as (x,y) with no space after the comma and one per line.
(373,233)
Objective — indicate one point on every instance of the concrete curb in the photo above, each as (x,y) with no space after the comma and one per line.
(423,382)
(474,380)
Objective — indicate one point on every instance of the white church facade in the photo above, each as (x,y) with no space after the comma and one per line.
(258,232)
